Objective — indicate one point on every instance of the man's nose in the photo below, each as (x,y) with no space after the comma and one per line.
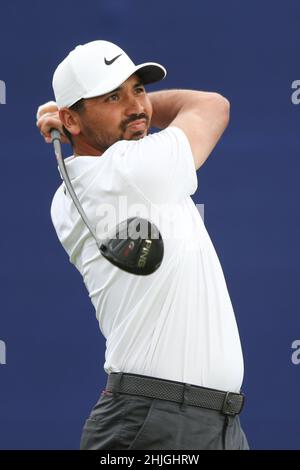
(134,106)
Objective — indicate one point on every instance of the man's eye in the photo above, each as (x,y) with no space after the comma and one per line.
(140,90)
(113,97)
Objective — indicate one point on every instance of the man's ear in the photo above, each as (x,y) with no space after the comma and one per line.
(70,121)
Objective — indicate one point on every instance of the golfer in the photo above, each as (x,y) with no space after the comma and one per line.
(173,355)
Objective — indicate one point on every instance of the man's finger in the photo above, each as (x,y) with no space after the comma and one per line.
(49,107)
(45,124)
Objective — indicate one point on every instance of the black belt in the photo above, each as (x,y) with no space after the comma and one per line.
(228,403)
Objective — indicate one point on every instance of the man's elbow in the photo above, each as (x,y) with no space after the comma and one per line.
(214,107)
(225,110)
(222,108)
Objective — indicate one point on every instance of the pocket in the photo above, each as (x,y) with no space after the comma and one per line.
(101,429)
(107,408)
(141,439)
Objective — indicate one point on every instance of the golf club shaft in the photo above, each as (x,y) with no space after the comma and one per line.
(55,135)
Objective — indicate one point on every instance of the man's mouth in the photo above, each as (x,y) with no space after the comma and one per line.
(137,125)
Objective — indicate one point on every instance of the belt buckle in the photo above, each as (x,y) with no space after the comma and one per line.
(227,405)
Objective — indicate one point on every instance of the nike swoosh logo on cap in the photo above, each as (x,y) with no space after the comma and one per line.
(109,62)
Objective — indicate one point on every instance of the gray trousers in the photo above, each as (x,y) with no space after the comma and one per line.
(120,421)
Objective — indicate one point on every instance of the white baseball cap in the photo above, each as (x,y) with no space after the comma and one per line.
(96,68)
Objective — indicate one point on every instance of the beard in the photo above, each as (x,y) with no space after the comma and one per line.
(102,141)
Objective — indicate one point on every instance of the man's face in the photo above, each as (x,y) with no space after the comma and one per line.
(124,113)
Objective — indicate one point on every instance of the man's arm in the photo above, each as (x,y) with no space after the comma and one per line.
(202,116)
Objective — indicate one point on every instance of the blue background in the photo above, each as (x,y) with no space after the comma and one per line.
(248,51)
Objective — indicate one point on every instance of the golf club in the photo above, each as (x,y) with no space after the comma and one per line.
(135,245)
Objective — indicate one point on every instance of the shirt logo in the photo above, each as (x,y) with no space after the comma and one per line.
(109,62)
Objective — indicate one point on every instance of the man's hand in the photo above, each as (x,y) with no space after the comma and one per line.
(47,119)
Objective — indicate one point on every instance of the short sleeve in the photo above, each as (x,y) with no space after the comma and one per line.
(161,166)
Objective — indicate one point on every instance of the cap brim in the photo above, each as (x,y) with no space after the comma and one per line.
(150,72)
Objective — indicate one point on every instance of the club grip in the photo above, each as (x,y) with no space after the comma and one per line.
(55,135)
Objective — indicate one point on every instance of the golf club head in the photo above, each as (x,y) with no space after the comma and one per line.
(135,245)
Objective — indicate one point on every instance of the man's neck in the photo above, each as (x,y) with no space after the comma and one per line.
(85,149)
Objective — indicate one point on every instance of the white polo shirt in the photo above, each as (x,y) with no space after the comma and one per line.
(177,323)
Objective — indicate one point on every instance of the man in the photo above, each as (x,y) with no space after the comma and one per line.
(173,352)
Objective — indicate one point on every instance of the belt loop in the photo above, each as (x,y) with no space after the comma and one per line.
(117,383)
(185,397)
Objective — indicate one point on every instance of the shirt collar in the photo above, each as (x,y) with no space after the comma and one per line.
(77,165)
